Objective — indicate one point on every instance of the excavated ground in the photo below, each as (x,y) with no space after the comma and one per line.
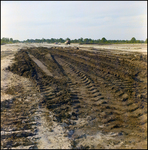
(77,99)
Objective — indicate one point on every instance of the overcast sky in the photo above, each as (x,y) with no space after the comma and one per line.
(114,20)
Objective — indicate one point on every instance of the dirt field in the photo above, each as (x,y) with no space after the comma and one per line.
(73,97)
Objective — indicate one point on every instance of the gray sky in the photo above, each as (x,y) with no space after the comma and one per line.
(114,20)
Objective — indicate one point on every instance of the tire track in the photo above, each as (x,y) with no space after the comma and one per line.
(88,85)
(130,87)
(18,123)
(131,108)
(95,98)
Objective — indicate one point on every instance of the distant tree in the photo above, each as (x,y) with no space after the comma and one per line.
(43,40)
(8,41)
(67,39)
(133,40)
(91,42)
(28,41)
(48,40)
(5,40)
(86,40)
(80,40)
(11,40)
(52,40)
(16,41)
(37,40)
(103,40)
(127,41)
(61,40)
(74,41)
(98,41)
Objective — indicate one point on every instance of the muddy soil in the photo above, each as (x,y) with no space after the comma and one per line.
(77,99)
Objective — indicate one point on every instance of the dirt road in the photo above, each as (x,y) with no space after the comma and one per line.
(69,98)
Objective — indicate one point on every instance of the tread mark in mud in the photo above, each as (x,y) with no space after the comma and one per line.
(92,95)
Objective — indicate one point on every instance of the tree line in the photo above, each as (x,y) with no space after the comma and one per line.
(8,41)
(80,41)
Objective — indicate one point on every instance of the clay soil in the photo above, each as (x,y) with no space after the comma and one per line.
(69,98)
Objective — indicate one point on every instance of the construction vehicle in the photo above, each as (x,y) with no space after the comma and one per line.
(67,42)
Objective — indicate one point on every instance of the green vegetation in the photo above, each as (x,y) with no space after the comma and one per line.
(105,41)
(8,41)
(80,41)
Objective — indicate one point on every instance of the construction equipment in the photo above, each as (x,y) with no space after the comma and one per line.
(67,42)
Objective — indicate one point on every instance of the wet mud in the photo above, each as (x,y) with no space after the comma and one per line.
(87,99)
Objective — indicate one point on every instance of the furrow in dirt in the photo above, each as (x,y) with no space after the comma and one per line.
(89,100)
